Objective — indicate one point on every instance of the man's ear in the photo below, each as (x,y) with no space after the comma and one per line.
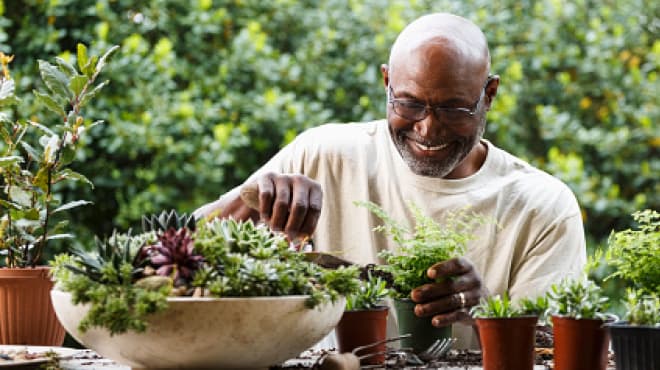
(385,69)
(491,90)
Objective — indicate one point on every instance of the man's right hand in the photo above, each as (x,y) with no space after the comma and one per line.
(286,202)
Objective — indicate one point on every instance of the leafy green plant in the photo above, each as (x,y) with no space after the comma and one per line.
(642,309)
(423,246)
(371,294)
(495,306)
(538,306)
(500,306)
(578,298)
(131,276)
(29,172)
(635,254)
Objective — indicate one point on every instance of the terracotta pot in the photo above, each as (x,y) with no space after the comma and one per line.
(636,347)
(507,343)
(360,328)
(423,333)
(26,311)
(580,344)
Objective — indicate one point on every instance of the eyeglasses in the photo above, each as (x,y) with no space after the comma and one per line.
(414,110)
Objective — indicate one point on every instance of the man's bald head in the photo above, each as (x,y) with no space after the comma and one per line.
(461,40)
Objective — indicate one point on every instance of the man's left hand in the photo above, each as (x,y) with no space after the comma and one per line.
(449,300)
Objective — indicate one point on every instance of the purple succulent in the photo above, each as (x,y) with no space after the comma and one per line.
(173,254)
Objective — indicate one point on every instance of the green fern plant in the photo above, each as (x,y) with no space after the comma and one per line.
(426,244)
(635,254)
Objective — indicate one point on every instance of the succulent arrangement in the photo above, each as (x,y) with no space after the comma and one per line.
(422,246)
(129,276)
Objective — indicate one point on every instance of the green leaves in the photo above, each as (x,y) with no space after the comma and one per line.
(642,309)
(495,307)
(635,253)
(370,294)
(28,173)
(7,96)
(500,306)
(579,299)
(428,243)
(77,84)
(83,61)
(50,103)
(55,80)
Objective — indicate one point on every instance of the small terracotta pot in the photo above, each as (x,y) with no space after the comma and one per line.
(360,328)
(26,311)
(424,334)
(580,344)
(507,343)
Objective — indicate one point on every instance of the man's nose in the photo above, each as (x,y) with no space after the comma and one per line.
(429,128)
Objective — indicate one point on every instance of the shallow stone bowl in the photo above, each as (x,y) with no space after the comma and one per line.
(194,333)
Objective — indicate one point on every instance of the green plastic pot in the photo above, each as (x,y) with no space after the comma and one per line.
(423,334)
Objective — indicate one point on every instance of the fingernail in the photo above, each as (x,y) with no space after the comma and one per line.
(419,310)
(430,273)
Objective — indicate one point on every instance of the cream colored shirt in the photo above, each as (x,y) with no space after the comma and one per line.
(536,240)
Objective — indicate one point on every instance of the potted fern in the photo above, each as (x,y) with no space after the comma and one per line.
(34,160)
(578,309)
(198,294)
(364,320)
(507,331)
(635,257)
(418,248)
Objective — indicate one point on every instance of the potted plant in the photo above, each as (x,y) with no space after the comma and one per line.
(214,293)
(578,315)
(507,332)
(31,212)
(418,248)
(635,256)
(364,320)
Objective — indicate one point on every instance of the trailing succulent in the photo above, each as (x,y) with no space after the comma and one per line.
(131,276)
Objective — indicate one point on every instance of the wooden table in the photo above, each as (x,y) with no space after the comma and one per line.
(88,360)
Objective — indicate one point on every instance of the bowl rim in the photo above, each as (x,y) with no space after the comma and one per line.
(296,297)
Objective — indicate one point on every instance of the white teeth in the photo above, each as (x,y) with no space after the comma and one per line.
(435,147)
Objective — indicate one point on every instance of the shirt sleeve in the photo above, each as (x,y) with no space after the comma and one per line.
(557,253)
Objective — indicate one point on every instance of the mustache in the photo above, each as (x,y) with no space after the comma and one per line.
(412,135)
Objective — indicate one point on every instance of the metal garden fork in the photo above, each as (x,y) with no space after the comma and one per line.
(436,350)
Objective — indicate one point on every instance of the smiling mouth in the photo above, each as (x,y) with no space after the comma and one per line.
(430,148)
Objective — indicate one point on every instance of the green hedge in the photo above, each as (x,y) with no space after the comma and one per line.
(202,92)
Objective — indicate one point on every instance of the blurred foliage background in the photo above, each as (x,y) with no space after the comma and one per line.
(202,92)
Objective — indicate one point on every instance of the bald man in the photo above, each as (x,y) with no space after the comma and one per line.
(429,151)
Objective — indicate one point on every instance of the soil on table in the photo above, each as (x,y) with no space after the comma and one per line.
(397,359)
